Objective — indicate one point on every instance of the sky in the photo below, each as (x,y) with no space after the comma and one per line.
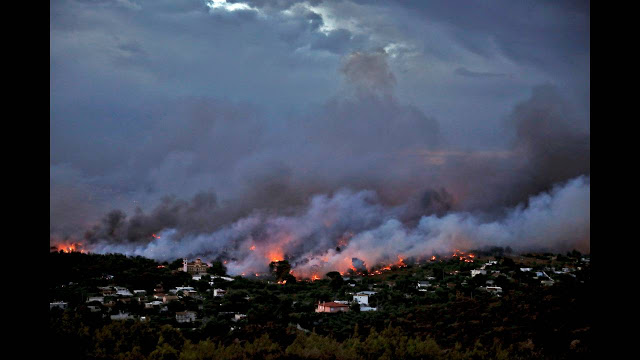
(192,116)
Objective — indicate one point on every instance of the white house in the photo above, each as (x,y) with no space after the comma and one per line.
(122,316)
(151,305)
(99,299)
(122,291)
(475,272)
(361,299)
(219,292)
(185,316)
(59,304)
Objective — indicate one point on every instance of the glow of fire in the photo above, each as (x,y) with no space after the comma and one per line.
(69,248)
(275,255)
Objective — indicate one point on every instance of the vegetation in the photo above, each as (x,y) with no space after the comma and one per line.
(454,319)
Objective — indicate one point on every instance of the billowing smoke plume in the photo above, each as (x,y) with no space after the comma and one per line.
(314,240)
(362,177)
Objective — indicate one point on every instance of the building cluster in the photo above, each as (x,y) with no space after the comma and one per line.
(107,298)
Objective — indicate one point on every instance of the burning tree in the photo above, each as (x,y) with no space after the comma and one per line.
(281,269)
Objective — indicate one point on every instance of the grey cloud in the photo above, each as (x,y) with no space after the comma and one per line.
(369,72)
(478,74)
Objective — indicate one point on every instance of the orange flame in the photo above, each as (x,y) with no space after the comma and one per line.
(275,255)
(69,248)
(462,257)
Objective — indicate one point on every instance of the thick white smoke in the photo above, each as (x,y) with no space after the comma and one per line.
(333,230)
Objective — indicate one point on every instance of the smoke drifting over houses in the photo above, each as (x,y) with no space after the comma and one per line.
(357,175)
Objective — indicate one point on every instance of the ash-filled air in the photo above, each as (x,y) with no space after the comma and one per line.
(361,180)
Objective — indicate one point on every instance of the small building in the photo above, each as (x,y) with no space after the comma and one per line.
(122,316)
(189,293)
(184,289)
(108,291)
(368,308)
(361,299)
(494,289)
(59,304)
(332,307)
(185,316)
(140,292)
(219,292)
(237,317)
(99,299)
(475,272)
(152,304)
(124,293)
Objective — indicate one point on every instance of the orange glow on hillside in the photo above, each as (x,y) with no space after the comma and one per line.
(70,247)
(275,255)
(462,256)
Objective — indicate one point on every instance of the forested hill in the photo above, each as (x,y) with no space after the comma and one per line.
(453,317)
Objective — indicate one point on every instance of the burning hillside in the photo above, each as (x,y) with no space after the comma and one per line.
(67,247)
(353,232)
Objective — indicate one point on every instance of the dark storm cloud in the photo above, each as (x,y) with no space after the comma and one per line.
(215,129)
(551,35)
